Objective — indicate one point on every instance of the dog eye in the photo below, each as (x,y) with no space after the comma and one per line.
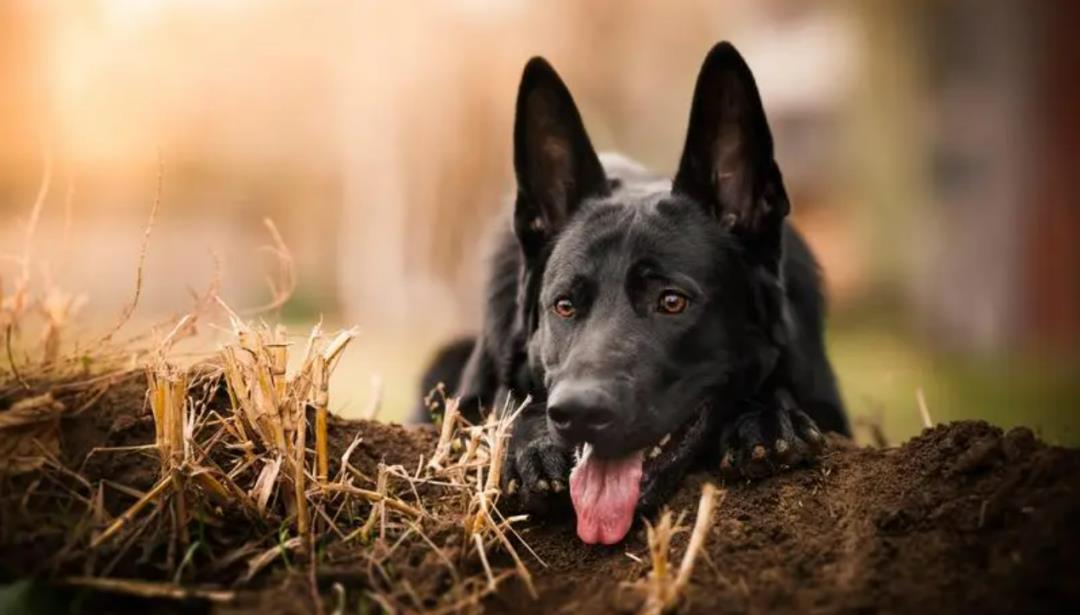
(672,302)
(564,308)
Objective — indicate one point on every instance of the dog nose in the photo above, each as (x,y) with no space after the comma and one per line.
(580,412)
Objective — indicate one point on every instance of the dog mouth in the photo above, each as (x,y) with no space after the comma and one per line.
(607,492)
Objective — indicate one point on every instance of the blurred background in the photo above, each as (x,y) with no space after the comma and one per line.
(929,147)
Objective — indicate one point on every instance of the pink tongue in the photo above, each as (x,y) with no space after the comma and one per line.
(605,494)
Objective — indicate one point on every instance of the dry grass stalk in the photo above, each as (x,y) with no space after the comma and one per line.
(378,510)
(321,367)
(302,521)
(500,428)
(35,215)
(702,523)
(321,375)
(130,513)
(283,285)
(168,391)
(149,589)
(663,589)
(129,309)
(478,540)
(924,411)
(266,557)
(446,435)
(265,483)
(378,497)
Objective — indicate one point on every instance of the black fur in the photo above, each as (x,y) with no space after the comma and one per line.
(600,252)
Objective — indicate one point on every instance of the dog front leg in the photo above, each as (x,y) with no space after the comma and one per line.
(537,471)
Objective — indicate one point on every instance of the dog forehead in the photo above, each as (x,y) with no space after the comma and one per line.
(626,228)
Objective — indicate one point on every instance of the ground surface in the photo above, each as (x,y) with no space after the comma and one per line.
(961,518)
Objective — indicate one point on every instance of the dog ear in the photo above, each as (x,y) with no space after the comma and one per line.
(554,161)
(727,162)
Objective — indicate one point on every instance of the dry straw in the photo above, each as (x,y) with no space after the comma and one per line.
(665,587)
(246,433)
(262,435)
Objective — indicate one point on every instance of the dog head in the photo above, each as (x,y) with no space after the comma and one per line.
(642,302)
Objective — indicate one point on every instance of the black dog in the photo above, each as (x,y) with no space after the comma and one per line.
(654,323)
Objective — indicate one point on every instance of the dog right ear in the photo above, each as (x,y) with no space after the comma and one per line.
(555,164)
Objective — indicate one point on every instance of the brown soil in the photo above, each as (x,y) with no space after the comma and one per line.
(961,518)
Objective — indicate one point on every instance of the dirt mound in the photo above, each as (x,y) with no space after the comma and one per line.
(962,517)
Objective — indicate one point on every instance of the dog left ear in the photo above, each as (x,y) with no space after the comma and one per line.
(554,160)
(727,162)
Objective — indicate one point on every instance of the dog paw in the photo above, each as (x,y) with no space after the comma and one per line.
(537,473)
(763,442)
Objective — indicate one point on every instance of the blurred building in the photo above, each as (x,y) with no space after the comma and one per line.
(1001,92)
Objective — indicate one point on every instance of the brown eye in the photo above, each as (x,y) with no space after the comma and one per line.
(672,302)
(564,308)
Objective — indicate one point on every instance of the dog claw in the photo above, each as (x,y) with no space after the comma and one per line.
(759,453)
(557,486)
(512,487)
(655,452)
(728,461)
(542,485)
